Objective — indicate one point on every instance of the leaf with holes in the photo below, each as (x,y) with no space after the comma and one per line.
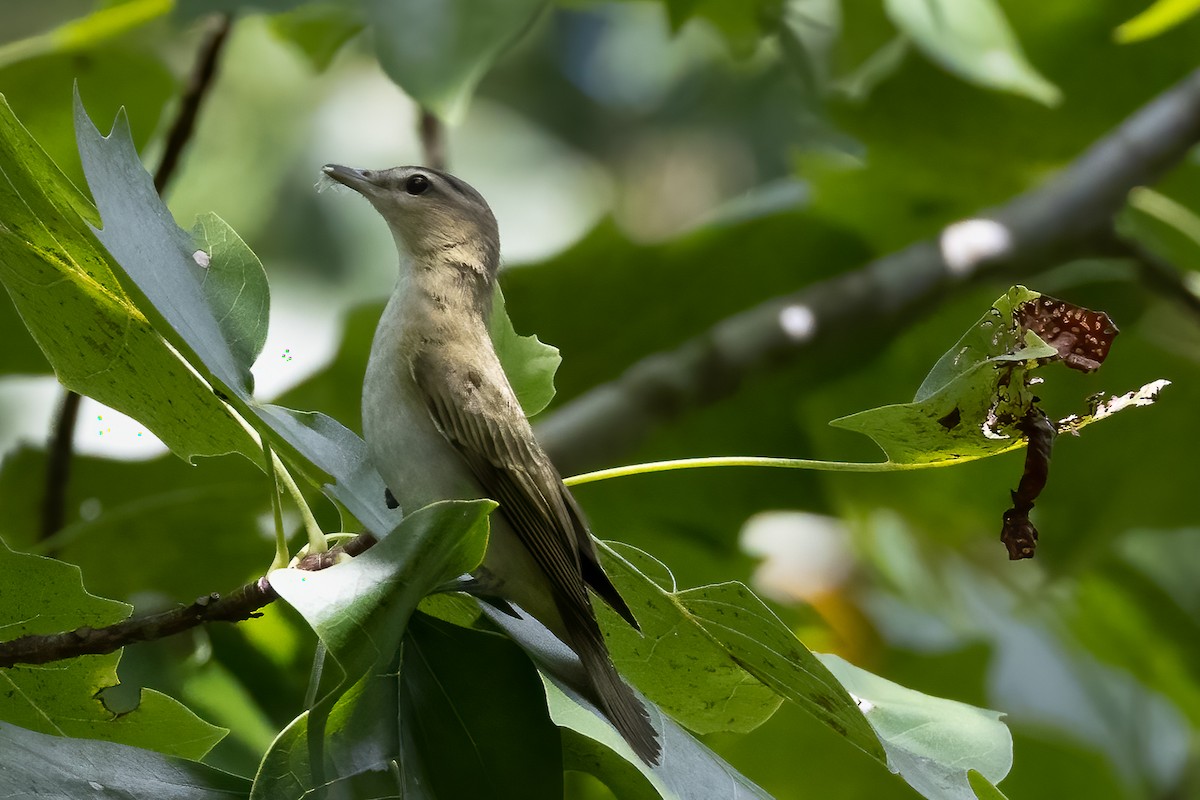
(43,596)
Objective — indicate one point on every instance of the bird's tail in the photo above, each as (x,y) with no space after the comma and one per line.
(616,700)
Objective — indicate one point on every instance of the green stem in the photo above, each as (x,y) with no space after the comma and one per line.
(763,461)
(316,537)
(282,557)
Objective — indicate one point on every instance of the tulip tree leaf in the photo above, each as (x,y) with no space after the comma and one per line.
(972,399)
(99,343)
(360,611)
(528,362)
(59,767)
(235,286)
(43,596)
(930,741)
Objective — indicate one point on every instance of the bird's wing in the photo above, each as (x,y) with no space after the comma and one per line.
(484,422)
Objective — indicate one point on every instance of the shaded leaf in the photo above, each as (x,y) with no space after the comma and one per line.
(930,741)
(438,50)
(155,253)
(687,770)
(318,30)
(235,286)
(42,596)
(474,712)
(972,39)
(60,768)
(360,610)
(528,363)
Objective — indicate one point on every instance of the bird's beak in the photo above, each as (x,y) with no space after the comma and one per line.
(348,176)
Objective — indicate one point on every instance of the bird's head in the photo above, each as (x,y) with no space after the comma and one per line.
(431,213)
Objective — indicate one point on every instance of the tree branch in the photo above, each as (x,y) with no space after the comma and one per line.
(242,603)
(203,73)
(58,467)
(433,139)
(1066,218)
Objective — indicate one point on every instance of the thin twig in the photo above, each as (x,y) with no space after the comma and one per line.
(58,467)
(433,139)
(189,105)
(857,312)
(240,604)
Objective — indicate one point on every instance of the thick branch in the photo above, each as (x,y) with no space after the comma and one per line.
(1066,218)
(240,604)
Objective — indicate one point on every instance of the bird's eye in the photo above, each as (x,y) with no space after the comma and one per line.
(417,184)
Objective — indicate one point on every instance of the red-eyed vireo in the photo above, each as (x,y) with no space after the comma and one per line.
(442,422)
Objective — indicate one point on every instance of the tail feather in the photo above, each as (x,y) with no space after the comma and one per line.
(616,700)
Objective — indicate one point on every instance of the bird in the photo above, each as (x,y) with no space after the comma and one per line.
(441,421)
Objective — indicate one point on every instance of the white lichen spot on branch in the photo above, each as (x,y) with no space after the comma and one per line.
(967,244)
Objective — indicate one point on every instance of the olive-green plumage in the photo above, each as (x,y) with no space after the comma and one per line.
(442,422)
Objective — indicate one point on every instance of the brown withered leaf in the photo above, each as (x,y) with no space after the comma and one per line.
(1081,336)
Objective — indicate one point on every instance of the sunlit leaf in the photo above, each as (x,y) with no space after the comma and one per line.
(971,400)
(972,38)
(100,344)
(105,23)
(930,741)
(1158,18)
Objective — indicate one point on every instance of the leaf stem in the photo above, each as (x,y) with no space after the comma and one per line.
(281,549)
(765,461)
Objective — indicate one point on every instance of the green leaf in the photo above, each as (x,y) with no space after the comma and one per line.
(688,770)
(1165,226)
(158,257)
(318,30)
(1157,19)
(972,39)
(983,788)
(438,50)
(970,401)
(98,342)
(235,286)
(360,610)
(475,714)
(43,596)
(716,657)
(529,364)
(95,28)
(809,31)
(61,768)
(930,741)
(210,508)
